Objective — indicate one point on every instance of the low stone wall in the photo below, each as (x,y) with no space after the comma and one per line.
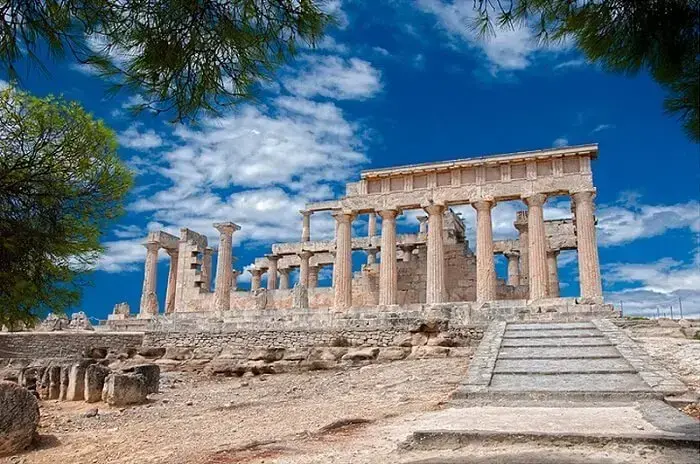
(37,345)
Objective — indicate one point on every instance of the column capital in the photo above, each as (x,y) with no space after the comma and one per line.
(305,212)
(305,254)
(390,213)
(536,199)
(152,246)
(434,208)
(585,196)
(511,254)
(554,253)
(273,258)
(172,252)
(422,218)
(483,205)
(255,272)
(227,228)
(344,216)
(208,251)
(284,270)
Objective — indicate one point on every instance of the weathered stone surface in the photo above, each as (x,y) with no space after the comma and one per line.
(19,418)
(178,354)
(266,354)
(64,380)
(258,367)
(441,339)
(53,323)
(42,385)
(295,355)
(363,354)
(76,382)
(284,366)
(151,352)
(95,376)
(403,340)
(96,352)
(392,353)
(150,373)
(124,389)
(419,339)
(300,297)
(207,352)
(225,366)
(80,321)
(420,352)
(54,382)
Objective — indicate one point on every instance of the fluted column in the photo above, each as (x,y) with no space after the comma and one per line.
(149,299)
(272,271)
(313,276)
(372,225)
(255,279)
(172,282)
(588,263)
(222,290)
(342,294)
(284,278)
(206,269)
(304,256)
(523,243)
(371,255)
(513,267)
(485,270)
(306,225)
(553,274)
(388,280)
(435,287)
(537,246)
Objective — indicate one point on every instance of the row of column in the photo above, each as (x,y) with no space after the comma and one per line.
(308,274)
(541,264)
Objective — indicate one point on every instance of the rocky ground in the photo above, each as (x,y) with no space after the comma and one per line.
(355,415)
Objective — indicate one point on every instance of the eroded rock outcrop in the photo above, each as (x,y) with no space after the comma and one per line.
(19,418)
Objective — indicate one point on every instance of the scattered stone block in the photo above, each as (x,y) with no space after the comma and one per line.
(225,366)
(19,418)
(420,352)
(403,340)
(441,339)
(80,321)
(419,339)
(178,354)
(392,353)
(295,355)
(96,352)
(95,376)
(363,354)
(151,352)
(151,374)
(124,389)
(266,354)
(76,383)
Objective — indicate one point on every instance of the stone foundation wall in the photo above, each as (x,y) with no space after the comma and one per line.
(36,345)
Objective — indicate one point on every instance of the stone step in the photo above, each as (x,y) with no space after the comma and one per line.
(558,341)
(598,383)
(557,352)
(551,326)
(563,366)
(552,333)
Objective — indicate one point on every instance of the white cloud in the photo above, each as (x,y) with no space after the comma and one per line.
(560,142)
(381,51)
(130,231)
(334,8)
(334,77)
(508,49)
(419,61)
(569,64)
(602,127)
(328,43)
(135,138)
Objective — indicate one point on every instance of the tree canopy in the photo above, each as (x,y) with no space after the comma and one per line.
(181,55)
(61,184)
(624,36)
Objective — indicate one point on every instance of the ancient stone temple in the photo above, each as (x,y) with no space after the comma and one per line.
(435,265)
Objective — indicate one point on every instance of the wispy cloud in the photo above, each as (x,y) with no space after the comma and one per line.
(602,127)
(334,77)
(570,64)
(560,142)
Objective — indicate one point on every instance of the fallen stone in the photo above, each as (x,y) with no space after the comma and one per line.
(178,354)
(95,376)
(420,352)
(419,339)
(232,352)
(151,352)
(92,412)
(692,332)
(363,354)
(392,353)
(258,367)
(461,352)
(284,366)
(124,389)
(226,367)
(441,339)
(151,374)
(206,353)
(19,418)
(295,355)
(402,340)
(266,354)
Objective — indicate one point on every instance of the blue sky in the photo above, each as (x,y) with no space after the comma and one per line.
(397,83)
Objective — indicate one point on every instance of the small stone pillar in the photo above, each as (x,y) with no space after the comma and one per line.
(422,225)
(537,246)
(172,281)
(523,243)
(149,299)
(306,225)
(222,291)
(284,278)
(206,269)
(553,274)
(313,276)
(256,277)
(304,257)
(372,225)
(485,270)
(371,256)
(388,276)
(513,267)
(588,263)
(435,287)
(272,271)
(342,268)
(407,253)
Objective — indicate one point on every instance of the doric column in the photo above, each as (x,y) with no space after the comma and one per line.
(537,246)
(304,256)
(372,225)
(523,243)
(306,225)
(422,225)
(485,270)
(407,254)
(342,267)
(272,271)
(206,269)
(388,282)
(435,287)
(222,290)
(172,282)
(149,299)
(588,264)
(256,277)
(371,255)
(313,276)
(553,274)
(513,267)
(284,278)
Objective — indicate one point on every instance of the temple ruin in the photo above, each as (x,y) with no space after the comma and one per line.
(434,266)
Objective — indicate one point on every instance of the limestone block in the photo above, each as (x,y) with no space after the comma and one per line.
(206,352)
(151,352)
(124,389)
(691,332)
(150,373)
(419,339)
(177,353)
(63,387)
(232,352)
(168,365)
(19,418)
(95,375)
(43,384)
(284,366)
(54,382)
(258,367)
(402,340)
(295,355)
(266,354)
(76,383)
(420,352)
(363,354)
(393,353)
(225,366)
(441,339)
